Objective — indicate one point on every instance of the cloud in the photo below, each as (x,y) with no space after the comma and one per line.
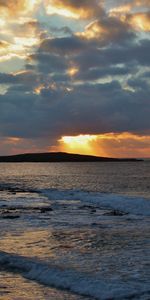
(25,81)
(108,29)
(14,7)
(124,145)
(3,44)
(19,77)
(63,45)
(134,13)
(139,21)
(83,9)
(19,37)
(94,63)
(24,145)
(89,109)
(128,6)
(110,144)
(27,28)
(48,63)
(96,73)
(141,3)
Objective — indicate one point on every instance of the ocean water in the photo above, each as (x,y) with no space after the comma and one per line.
(75,231)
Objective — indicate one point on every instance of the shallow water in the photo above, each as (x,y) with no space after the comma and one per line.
(74,231)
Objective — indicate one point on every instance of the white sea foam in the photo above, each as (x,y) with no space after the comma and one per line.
(75,282)
(132,205)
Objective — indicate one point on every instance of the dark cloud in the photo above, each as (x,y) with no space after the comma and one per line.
(63,46)
(48,62)
(28,78)
(109,29)
(136,54)
(89,108)
(97,73)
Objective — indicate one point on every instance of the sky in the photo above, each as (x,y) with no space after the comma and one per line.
(75,77)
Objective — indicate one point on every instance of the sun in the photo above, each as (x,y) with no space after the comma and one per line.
(81,144)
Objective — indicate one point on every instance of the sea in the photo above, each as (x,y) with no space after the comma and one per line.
(75,231)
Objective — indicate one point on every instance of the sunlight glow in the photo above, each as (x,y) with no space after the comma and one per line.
(140,22)
(38,89)
(25,42)
(80,139)
(13,140)
(32,3)
(123,9)
(111,144)
(78,144)
(72,71)
(92,31)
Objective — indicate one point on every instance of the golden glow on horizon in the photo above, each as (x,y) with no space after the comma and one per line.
(78,144)
(119,145)
(123,144)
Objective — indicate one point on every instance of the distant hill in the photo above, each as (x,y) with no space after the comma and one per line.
(58,157)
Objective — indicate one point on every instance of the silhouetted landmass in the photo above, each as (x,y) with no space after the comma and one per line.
(59,157)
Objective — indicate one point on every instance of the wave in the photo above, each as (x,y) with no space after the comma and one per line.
(132,205)
(71,280)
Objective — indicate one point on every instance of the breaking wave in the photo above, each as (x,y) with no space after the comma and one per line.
(132,205)
(69,279)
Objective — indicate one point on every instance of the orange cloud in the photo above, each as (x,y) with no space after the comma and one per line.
(141,3)
(22,34)
(17,145)
(128,6)
(139,21)
(111,144)
(14,7)
(3,45)
(106,29)
(74,9)
(119,10)
(94,30)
